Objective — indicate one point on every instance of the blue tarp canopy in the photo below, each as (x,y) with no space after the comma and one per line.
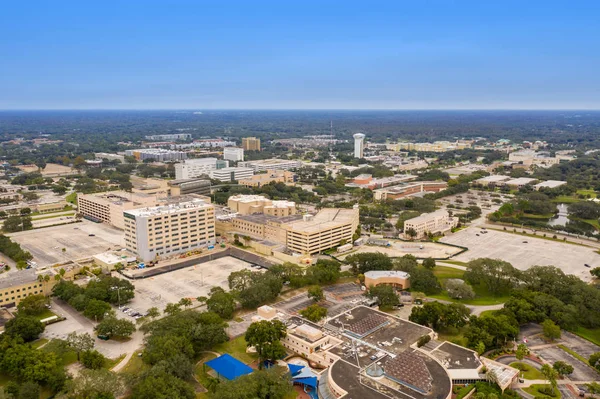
(303,375)
(294,368)
(310,381)
(229,367)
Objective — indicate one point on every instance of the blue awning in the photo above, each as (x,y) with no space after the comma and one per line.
(295,368)
(229,367)
(310,381)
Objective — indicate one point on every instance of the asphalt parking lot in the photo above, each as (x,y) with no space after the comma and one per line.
(46,244)
(536,251)
(189,282)
(581,371)
(417,249)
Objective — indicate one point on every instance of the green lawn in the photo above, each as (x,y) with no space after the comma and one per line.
(592,335)
(591,193)
(528,371)
(454,335)
(482,297)
(566,199)
(52,216)
(37,343)
(535,391)
(45,314)
(454,262)
(201,371)
(533,216)
(110,363)
(236,348)
(135,365)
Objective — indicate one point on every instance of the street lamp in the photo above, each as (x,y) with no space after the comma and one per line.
(116,287)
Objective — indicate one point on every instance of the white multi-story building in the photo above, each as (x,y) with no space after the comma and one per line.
(164,231)
(192,168)
(233,154)
(271,164)
(359,145)
(177,136)
(435,222)
(231,174)
(110,157)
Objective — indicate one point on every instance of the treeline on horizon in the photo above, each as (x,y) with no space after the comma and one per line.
(560,127)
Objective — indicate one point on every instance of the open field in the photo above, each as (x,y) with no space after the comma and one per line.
(417,249)
(189,282)
(536,251)
(46,244)
(50,169)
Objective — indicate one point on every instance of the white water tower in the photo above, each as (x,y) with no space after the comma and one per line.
(359,144)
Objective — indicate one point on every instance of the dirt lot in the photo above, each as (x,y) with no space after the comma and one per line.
(50,169)
(46,244)
(399,248)
(189,282)
(536,251)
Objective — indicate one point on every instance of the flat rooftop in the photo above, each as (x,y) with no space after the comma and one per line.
(550,184)
(456,357)
(17,277)
(386,273)
(325,218)
(427,216)
(408,368)
(520,181)
(169,209)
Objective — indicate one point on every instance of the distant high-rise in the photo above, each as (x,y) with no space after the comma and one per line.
(359,145)
(251,143)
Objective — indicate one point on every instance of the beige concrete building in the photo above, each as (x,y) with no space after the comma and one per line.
(407,189)
(164,231)
(108,207)
(439,221)
(251,144)
(272,176)
(397,279)
(251,204)
(323,231)
(271,164)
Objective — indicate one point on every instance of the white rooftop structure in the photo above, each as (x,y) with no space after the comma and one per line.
(168,209)
(374,274)
(493,179)
(549,184)
(521,181)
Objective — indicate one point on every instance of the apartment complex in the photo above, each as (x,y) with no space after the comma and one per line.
(156,154)
(408,189)
(233,154)
(439,221)
(189,186)
(251,143)
(192,168)
(272,176)
(163,231)
(108,207)
(167,137)
(252,204)
(231,174)
(271,164)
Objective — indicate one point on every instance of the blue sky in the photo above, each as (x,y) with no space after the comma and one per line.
(289,54)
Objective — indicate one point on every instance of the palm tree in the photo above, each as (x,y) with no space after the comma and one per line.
(551,376)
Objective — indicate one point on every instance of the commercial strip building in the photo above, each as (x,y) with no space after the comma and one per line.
(233,154)
(437,222)
(397,279)
(408,189)
(272,176)
(436,146)
(367,181)
(251,143)
(108,207)
(189,186)
(231,174)
(176,136)
(156,154)
(163,231)
(110,157)
(271,164)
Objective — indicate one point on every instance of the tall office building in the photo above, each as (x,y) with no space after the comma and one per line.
(359,145)
(193,168)
(163,231)
(251,143)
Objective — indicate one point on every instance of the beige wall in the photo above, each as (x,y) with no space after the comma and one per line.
(399,282)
